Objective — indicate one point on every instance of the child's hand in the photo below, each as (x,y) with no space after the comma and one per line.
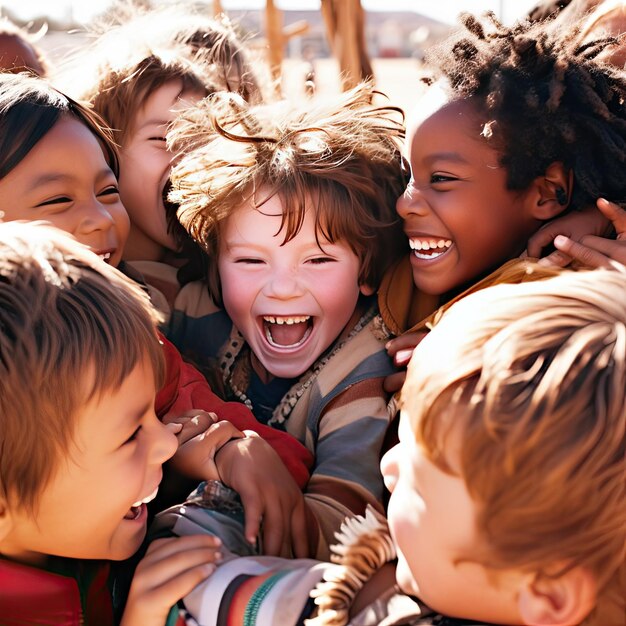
(576,225)
(268,492)
(171,568)
(193,422)
(195,457)
(400,350)
(598,251)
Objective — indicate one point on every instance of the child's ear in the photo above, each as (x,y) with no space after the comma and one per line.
(561,601)
(550,193)
(366,290)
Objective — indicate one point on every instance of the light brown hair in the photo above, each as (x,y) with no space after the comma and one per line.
(535,375)
(340,158)
(137,51)
(71,329)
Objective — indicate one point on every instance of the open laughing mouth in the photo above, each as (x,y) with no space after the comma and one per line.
(429,249)
(137,508)
(287,332)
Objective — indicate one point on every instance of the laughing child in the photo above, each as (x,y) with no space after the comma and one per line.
(142,69)
(521,127)
(298,237)
(82,447)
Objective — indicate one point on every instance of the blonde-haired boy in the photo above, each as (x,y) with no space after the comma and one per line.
(507,485)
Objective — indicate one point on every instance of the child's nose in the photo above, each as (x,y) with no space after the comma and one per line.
(164,445)
(411,202)
(95,216)
(283,284)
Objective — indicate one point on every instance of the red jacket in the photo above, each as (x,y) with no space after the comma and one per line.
(186,388)
(40,598)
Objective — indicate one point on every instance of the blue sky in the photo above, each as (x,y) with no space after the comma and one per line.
(444,10)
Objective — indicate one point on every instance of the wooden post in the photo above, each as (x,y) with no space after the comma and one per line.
(345,26)
(275,41)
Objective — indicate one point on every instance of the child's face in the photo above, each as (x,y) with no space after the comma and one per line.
(145,163)
(460,218)
(114,462)
(66,181)
(291,301)
(432,522)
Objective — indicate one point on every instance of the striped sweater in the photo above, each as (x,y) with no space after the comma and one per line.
(337,409)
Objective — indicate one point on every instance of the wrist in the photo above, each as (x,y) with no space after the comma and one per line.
(223,466)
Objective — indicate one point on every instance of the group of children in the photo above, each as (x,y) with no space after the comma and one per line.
(294,256)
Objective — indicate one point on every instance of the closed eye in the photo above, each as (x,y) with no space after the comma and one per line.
(156,138)
(134,436)
(248,261)
(320,260)
(53,201)
(109,191)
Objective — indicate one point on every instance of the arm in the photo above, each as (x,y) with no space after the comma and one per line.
(185,389)
(351,431)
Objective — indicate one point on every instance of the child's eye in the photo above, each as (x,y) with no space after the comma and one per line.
(110,191)
(320,260)
(53,201)
(442,178)
(134,436)
(156,138)
(249,261)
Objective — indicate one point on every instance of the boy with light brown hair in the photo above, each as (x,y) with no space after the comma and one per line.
(142,69)
(82,447)
(508,492)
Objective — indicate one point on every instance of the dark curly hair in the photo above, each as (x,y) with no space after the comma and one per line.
(545,99)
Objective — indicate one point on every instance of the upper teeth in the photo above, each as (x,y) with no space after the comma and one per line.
(286,320)
(147,499)
(106,256)
(429,244)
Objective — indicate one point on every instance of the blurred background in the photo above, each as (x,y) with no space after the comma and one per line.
(395,33)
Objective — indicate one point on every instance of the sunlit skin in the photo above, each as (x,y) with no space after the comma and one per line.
(265,281)
(114,462)
(145,165)
(66,181)
(460,218)
(432,522)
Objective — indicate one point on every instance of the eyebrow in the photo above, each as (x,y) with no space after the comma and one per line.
(46,179)
(453,157)
(153,122)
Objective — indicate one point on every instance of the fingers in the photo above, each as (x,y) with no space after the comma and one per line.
(171,568)
(394,382)
(275,521)
(615,214)
(299,540)
(253,510)
(556,258)
(586,254)
(408,341)
(542,238)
